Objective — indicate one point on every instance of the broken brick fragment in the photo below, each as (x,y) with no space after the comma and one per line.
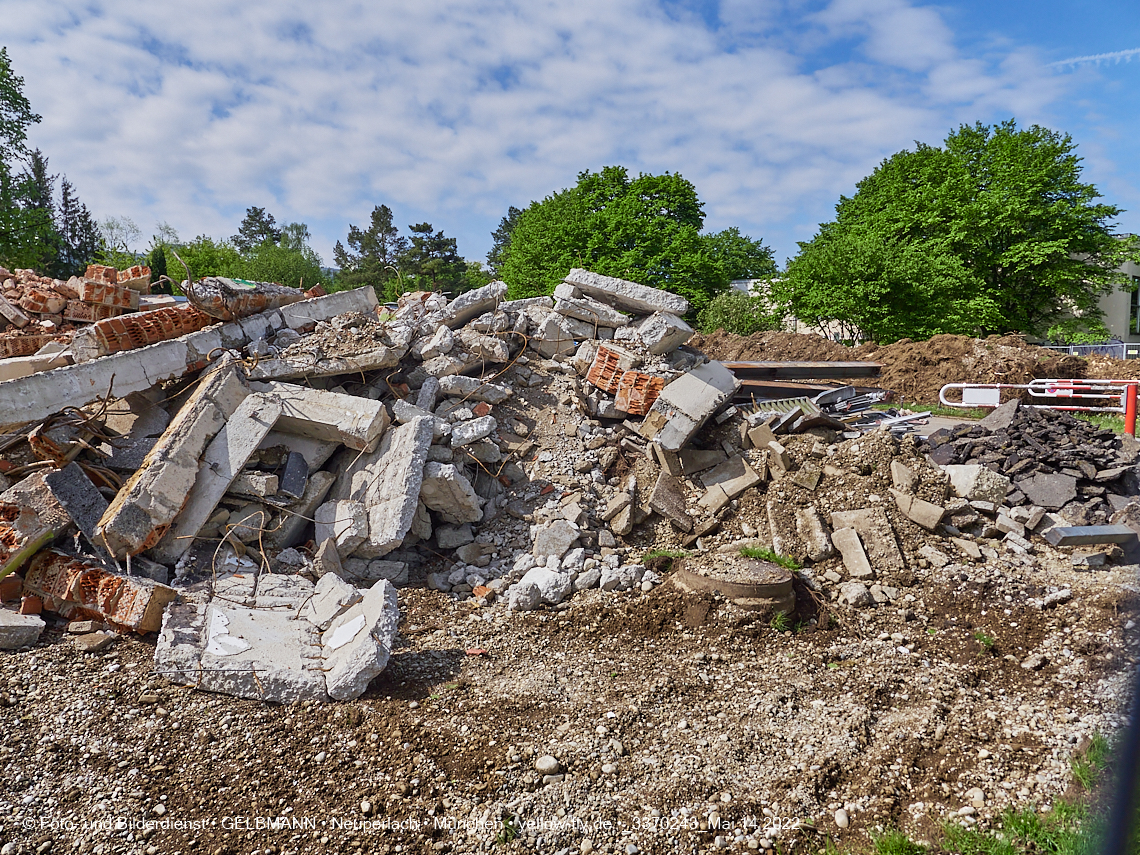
(637,391)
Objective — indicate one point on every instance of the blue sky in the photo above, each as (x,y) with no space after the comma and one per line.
(452,111)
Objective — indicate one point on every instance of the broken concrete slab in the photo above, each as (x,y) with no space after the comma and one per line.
(486,347)
(357,422)
(555,335)
(403,412)
(668,499)
(474,389)
(626,295)
(344,522)
(78,496)
(876,533)
(813,534)
(17,630)
(447,491)
(471,304)
(779,457)
(686,404)
(663,332)
(30,518)
(924,513)
(151,499)
(694,460)
(454,536)
(1052,491)
(855,559)
(33,398)
(1089,534)
(734,476)
(332,597)
(315,364)
(978,483)
(263,653)
(465,433)
(388,483)
(591,312)
(358,643)
(221,462)
(902,477)
(251,482)
(807,476)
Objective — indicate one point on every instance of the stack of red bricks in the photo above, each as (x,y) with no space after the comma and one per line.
(35,309)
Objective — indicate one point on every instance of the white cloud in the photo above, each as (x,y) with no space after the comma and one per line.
(452,111)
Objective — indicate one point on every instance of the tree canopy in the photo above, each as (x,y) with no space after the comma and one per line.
(647,229)
(993,232)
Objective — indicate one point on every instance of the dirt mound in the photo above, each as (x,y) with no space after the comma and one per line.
(917,370)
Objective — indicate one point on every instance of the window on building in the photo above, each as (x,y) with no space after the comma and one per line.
(1134,311)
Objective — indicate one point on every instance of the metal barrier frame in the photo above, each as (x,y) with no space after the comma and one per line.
(1123,390)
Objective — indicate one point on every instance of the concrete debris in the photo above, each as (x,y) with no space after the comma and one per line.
(509,454)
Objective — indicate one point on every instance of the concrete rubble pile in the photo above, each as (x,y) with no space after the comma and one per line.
(267,483)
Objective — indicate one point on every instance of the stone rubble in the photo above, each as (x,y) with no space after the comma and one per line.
(314,468)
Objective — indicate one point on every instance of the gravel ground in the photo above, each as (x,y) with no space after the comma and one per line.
(658,720)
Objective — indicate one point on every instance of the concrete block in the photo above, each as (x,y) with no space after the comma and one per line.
(555,335)
(290,528)
(807,476)
(734,476)
(629,296)
(591,312)
(78,497)
(978,483)
(920,511)
(344,522)
(668,499)
(486,347)
(555,538)
(30,518)
(779,457)
(221,462)
(17,630)
(447,491)
(437,344)
(694,460)
(876,533)
(150,500)
(552,585)
(855,560)
(813,534)
(1089,534)
(761,435)
(332,597)
(902,477)
(404,412)
(663,332)
(471,304)
(686,404)
(330,416)
(454,536)
(474,389)
(471,431)
(251,482)
(358,643)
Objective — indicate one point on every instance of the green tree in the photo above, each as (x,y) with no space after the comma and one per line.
(290,261)
(737,312)
(78,234)
(431,260)
(372,254)
(647,229)
(993,232)
(207,257)
(257,227)
(22,231)
(501,238)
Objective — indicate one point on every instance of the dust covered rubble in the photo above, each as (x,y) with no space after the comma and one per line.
(537,523)
(408,441)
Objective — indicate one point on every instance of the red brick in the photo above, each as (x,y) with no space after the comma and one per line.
(31,605)
(101,273)
(88,313)
(637,391)
(11,586)
(104,294)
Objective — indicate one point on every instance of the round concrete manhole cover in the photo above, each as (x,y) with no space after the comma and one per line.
(751,583)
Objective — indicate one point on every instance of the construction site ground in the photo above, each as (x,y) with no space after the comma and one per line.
(678,722)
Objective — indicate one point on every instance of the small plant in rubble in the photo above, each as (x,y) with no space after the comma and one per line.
(765,554)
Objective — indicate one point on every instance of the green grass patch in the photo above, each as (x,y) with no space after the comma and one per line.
(1087,766)
(766,554)
(984,639)
(780,622)
(894,842)
(664,553)
(936,410)
(1111,421)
